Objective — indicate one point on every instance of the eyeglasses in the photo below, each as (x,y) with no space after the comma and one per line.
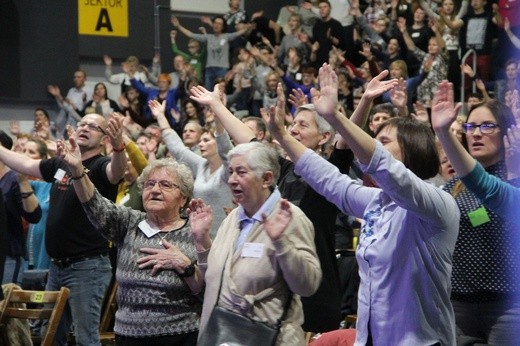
(91,127)
(164,185)
(485,128)
(193,46)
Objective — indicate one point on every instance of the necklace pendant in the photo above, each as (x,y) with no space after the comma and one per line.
(160,242)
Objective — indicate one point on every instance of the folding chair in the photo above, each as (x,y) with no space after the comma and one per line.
(52,309)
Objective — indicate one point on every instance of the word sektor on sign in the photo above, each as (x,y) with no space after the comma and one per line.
(103,17)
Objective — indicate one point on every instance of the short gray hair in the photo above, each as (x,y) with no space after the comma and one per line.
(259,157)
(177,169)
(323,125)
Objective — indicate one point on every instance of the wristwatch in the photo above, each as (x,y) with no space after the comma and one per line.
(188,271)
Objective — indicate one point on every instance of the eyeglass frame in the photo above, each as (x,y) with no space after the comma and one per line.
(489,128)
(91,126)
(163,185)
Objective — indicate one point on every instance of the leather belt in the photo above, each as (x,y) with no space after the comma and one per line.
(67,261)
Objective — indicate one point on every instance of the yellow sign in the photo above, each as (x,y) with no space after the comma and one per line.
(103,17)
(37,297)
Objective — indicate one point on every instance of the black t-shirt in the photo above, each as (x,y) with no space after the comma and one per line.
(478,32)
(69,233)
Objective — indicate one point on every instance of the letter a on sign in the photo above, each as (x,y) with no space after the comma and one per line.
(103,17)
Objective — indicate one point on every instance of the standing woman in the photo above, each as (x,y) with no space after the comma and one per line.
(100,102)
(209,168)
(483,294)
(263,258)
(157,277)
(37,254)
(410,226)
(217,59)
(322,309)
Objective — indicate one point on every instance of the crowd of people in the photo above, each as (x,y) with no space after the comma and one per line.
(229,187)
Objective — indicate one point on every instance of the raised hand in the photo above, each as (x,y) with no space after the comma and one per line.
(54,90)
(69,153)
(297,98)
(107,60)
(398,95)
(175,21)
(204,96)
(14,127)
(276,225)
(326,99)
(420,112)
(444,111)
(274,117)
(378,85)
(201,217)
(115,129)
(157,108)
(467,70)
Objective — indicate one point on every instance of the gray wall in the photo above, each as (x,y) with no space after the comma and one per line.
(40,45)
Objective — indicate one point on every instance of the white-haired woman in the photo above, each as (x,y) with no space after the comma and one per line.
(156,270)
(263,258)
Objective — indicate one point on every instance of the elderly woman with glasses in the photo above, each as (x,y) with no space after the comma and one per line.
(485,277)
(156,269)
(263,257)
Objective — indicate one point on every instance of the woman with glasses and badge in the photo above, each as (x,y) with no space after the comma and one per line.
(156,269)
(486,276)
(486,261)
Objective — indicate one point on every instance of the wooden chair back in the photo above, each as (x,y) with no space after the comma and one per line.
(52,306)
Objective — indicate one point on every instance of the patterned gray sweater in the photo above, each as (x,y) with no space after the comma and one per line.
(147,305)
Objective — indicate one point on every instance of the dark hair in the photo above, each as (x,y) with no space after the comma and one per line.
(309,70)
(418,148)
(6,140)
(386,108)
(41,147)
(44,112)
(104,87)
(224,23)
(260,123)
(502,114)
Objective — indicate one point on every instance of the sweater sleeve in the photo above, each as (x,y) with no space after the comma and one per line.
(494,193)
(181,153)
(407,190)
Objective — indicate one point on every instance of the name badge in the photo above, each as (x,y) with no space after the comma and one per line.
(298,76)
(193,61)
(60,173)
(416,34)
(223,42)
(253,250)
(478,217)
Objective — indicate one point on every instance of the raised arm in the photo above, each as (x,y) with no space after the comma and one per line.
(401,24)
(20,162)
(71,155)
(444,113)
(234,126)
(358,140)
(177,24)
(116,168)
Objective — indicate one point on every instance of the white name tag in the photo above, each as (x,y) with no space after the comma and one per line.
(60,173)
(223,42)
(416,34)
(254,250)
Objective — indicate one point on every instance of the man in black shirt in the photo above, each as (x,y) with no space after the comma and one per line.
(79,253)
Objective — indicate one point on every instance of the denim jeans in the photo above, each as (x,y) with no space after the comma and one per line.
(9,269)
(88,281)
(212,73)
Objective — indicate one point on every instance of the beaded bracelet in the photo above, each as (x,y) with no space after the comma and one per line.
(85,172)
